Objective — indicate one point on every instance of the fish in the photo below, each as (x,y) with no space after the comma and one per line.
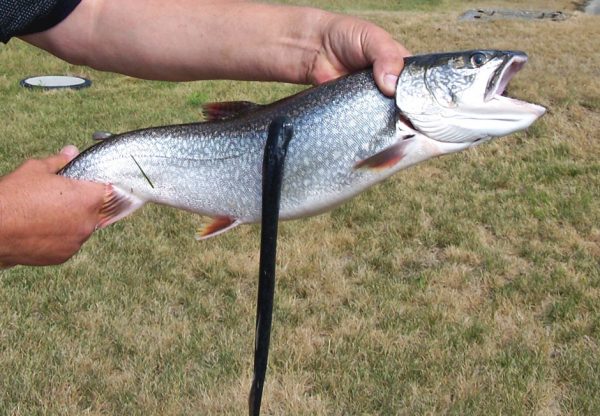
(348,136)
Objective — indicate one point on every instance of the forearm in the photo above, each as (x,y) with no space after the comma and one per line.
(189,39)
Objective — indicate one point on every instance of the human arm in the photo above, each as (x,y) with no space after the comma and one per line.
(206,39)
(45,218)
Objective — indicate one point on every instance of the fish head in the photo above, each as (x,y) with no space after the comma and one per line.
(457,98)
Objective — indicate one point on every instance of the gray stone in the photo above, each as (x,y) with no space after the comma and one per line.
(497,14)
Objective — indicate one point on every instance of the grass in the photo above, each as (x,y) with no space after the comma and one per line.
(466,285)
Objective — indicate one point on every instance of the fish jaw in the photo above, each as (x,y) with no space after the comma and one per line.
(500,116)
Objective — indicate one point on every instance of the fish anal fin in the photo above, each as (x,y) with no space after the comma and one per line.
(387,158)
(117,204)
(227,109)
(218,226)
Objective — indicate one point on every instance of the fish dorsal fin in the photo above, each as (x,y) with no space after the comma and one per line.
(100,135)
(227,109)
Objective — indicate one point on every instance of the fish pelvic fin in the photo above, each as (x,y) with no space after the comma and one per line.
(218,226)
(118,204)
(388,157)
(227,109)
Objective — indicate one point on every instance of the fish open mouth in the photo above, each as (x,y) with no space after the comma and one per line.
(502,76)
(498,83)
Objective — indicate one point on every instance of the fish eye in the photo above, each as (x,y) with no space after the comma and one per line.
(478,59)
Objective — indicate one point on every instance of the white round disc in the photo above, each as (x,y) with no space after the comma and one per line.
(55,81)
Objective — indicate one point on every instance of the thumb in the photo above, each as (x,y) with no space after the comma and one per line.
(55,162)
(387,68)
(387,56)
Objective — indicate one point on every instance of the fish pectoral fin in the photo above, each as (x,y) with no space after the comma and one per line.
(227,109)
(218,226)
(387,157)
(118,204)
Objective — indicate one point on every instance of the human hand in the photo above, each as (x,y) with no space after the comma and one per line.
(45,218)
(349,44)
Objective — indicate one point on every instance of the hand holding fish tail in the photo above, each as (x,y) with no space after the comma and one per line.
(45,218)
(350,44)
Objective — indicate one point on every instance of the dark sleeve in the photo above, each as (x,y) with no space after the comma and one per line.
(23,17)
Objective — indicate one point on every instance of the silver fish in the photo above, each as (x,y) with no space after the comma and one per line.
(347,137)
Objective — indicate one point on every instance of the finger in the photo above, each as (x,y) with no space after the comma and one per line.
(70,151)
(387,68)
(387,56)
(55,162)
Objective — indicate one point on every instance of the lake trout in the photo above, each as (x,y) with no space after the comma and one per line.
(348,136)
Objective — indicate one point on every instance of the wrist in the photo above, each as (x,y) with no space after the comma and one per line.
(306,38)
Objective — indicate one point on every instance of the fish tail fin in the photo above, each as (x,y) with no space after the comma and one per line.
(118,204)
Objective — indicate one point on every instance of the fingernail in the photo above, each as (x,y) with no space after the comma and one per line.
(390,81)
(70,151)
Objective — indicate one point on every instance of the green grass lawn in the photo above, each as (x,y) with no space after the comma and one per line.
(466,285)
